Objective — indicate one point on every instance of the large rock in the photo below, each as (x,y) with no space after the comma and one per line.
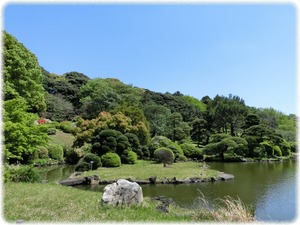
(122,192)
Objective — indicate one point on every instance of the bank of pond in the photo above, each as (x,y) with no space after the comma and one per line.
(268,186)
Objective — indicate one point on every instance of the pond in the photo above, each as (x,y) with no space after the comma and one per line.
(269,187)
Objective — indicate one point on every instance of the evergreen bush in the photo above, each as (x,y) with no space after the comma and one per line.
(164,155)
(111,159)
(191,151)
(129,157)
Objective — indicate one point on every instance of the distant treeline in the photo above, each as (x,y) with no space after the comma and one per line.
(217,126)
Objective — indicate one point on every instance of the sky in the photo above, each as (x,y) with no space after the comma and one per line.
(199,49)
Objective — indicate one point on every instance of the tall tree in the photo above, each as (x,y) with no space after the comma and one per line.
(22,74)
(229,112)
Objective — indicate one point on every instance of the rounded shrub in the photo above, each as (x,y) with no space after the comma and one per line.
(56,151)
(158,142)
(88,157)
(129,157)
(111,159)
(164,155)
(82,166)
(43,152)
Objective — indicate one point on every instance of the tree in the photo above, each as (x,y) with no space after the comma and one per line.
(157,116)
(177,129)
(164,155)
(58,109)
(22,75)
(97,96)
(198,131)
(251,120)
(22,137)
(228,112)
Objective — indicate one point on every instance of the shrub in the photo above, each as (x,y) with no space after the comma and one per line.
(218,137)
(135,144)
(72,156)
(88,157)
(158,142)
(82,166)
(27,173)
(43,153)
(129,157)
(56,151)
(66,126)
(277,151)
(111,160)
(190,151)
(164,155)
(176,149)
(146,153)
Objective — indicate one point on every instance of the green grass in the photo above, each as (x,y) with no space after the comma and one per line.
(62,138)
(36,202)
(53,203)
(145,169)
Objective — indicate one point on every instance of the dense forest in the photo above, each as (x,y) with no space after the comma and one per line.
(114,123)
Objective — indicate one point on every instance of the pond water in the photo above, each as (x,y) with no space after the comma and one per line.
(269,187)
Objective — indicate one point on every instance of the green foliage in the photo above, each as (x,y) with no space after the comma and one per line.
(58,109)
(158,142)
(22,137)
(195,102)
(66,126)
(234,146)
(191,151)
(228,112)
(84,164)
(111,160)
(56,151)
(72,155)
(135,144)
(198,130)
(97,96)
(22,74)
(43,153)
(129,157)
(157,116)
(176,149)
(164,155)
(177,129)
(27,173)
(175,103)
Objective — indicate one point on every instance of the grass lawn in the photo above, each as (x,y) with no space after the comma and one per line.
(36,202)
(145,169)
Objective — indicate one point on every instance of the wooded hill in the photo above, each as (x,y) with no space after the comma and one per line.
(109,116)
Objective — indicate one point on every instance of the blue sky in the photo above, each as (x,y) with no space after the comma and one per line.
(247,50)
